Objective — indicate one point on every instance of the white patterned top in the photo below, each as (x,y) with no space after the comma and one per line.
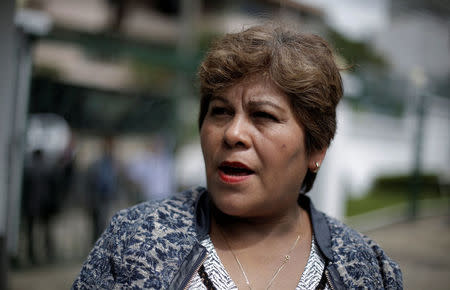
(221,279)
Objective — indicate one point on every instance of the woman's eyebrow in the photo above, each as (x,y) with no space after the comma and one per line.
(256,103)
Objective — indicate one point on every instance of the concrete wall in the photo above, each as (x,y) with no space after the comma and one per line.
(369,144)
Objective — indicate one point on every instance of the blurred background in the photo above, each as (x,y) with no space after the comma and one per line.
(99,108)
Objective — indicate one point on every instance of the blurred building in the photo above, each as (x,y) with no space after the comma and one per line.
(128,68)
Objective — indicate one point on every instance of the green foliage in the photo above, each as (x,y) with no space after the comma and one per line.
(392,190)
(374,200)
(205,39)
(356,53)
(155,78)
(429,184)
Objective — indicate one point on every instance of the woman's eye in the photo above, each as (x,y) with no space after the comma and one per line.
(265,115)
(218,111)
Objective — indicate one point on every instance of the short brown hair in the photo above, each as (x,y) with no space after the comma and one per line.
(301,65)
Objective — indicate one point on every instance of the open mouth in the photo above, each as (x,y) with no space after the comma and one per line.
(234,171)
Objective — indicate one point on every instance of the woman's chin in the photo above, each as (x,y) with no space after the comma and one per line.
(234,206)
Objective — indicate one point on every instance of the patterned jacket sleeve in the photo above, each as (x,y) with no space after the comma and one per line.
(390,270)
(98,271)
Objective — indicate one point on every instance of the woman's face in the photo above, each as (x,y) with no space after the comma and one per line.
(254,151)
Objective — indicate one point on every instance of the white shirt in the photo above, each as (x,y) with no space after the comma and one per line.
(219,276)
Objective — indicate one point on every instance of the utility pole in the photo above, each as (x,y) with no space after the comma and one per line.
(7,85)
(17,31)
(29,25)
(419,81)
(416,182)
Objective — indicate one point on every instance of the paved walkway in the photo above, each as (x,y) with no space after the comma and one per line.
(422,249)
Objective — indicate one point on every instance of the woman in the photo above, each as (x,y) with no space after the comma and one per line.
(267,117)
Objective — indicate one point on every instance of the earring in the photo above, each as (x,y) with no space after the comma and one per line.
(317,166)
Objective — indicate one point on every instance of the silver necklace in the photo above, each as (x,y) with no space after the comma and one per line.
(285,260)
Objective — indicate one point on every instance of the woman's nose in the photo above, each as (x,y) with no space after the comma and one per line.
(237,133)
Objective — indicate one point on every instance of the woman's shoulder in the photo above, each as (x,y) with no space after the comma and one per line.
(143,217)
(343,234)
(345,238)
(145,238)
(361,258)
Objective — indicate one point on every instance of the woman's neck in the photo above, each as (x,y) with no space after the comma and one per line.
(250,230)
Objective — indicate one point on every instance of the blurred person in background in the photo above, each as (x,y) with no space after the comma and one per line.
(62,175)
(102,181)
(152,171)
(37,204)
(267,116)
(47,182)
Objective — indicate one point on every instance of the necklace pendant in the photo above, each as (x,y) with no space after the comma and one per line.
(287,257)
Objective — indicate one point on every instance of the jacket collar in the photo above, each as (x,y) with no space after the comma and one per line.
(202,214)
(320,226)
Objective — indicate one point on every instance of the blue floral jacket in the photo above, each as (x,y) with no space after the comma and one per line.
(155,245)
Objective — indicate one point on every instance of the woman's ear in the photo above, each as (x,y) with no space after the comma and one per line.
(316,159)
